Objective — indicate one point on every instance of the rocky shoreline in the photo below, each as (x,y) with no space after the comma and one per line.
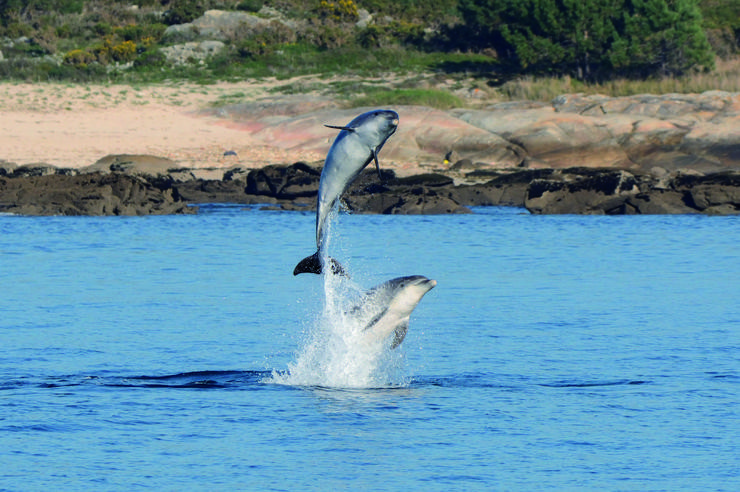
(579,154)
(148,185)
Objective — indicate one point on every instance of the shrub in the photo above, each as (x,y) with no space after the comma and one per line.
(123,52)
(339,11)
(152,58)
(250,5)
(78,58)
(139,32)
(183,11)
(253,48)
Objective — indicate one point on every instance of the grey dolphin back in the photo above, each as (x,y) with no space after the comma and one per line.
(357,144)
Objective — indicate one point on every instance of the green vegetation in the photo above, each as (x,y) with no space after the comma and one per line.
(593,39)
(420,97)
(516,47)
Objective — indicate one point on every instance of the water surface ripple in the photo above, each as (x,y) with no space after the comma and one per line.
(555,353)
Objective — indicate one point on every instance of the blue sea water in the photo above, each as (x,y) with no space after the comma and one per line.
(555,353)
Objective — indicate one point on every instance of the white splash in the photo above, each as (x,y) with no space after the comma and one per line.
(335,352)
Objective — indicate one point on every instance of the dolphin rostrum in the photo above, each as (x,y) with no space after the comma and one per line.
(385,309)
(357,144)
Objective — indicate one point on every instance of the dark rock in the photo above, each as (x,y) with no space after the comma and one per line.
(236,173)
(428,203)
(39,169)
(406,201)
(45,190)
(284,182)
(217,191)
(590,191)
(717,193)
(659,202)
(87,194)
(582,190)
(427,179)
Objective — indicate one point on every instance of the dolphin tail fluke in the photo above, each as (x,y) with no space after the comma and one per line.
(313,264)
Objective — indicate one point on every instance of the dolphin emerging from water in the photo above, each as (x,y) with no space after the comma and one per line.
(386,308)
(357,144)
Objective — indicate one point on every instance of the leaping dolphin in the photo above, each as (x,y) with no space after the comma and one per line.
(387,307)
(357,144)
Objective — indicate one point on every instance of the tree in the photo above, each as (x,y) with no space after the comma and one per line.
(662,37)
(591,39)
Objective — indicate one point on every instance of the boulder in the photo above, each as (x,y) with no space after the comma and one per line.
(569,140)
(284,182)
(642,132)
(192,51)
(149,166)
(223,25)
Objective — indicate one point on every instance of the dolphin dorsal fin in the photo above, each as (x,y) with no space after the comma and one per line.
(347,128)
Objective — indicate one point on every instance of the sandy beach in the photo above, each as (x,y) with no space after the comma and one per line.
(75,125)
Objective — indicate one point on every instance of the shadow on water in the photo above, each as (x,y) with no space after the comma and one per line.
(262,379)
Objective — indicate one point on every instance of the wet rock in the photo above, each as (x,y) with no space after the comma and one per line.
(407,200)
(284,182)
(217,191)
(717,193)
(589,191)
(87,194)
(127,189)
(496,187)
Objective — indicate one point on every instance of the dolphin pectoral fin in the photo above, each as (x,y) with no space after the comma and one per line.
(399,334)
(340,128)
(312,264)
(377,164)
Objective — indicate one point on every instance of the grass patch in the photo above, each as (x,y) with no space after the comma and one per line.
(407,97)
(726,77)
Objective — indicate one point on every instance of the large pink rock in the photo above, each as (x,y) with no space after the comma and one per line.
(650,133)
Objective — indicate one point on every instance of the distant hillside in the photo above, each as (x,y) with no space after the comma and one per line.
(153,40)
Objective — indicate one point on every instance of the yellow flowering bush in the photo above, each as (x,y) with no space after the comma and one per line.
(123,52)
(79,58)
(339,11)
